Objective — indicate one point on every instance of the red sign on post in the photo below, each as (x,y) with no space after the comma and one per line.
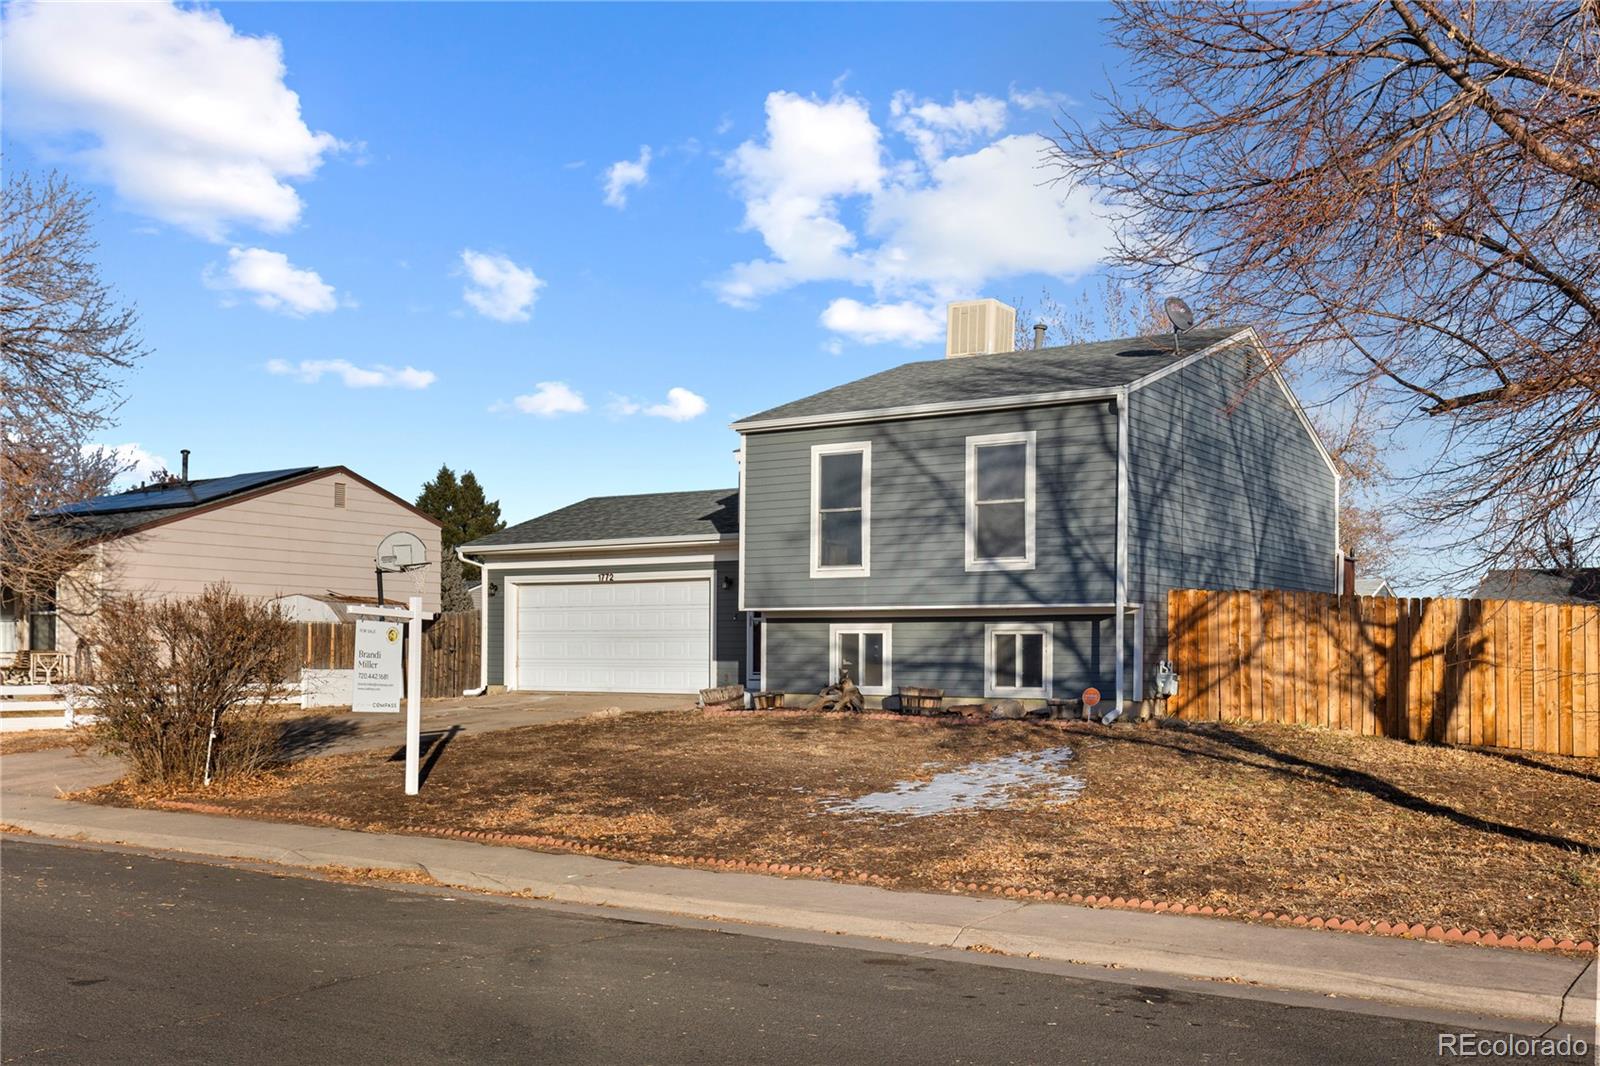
(1091,696)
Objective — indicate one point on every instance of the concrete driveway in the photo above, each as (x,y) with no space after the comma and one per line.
(332,730)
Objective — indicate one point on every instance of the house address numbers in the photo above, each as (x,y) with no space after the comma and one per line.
(606,575)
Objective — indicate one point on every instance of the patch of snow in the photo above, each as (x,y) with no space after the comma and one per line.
(987,785)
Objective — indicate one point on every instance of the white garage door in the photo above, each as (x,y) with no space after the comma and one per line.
(623,636)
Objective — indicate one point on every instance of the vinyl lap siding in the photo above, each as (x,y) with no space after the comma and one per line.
(1227,490)
(946,653)
(917,551)
(290,540)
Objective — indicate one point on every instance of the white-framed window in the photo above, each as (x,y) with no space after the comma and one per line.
(1000,501)
(1017,658)
(841,509)
(866,652)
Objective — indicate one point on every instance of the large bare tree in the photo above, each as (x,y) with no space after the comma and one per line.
(64,344)
(1402,194)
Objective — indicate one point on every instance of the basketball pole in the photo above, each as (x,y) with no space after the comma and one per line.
(414,698)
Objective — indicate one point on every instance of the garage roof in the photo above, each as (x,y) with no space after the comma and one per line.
(708,513)
(1094,365)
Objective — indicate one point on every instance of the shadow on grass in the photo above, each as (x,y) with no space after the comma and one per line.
(433,745)
(1535,764)
(312,735)
(1283,762)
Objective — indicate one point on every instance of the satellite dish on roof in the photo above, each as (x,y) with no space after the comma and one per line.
(1178,314)
(400,551)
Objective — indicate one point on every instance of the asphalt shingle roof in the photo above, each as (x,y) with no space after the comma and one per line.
(1542,586)
(1095,365)
(708,512)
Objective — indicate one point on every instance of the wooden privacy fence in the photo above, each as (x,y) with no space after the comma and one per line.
(1502,673)
(450,654)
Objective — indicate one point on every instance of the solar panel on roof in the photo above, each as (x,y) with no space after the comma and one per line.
(190,495)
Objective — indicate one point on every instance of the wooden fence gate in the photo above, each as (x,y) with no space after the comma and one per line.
(1501,673)
(450,655)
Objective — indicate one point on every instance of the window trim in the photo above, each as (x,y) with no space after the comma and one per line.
(1030,502)
(991,687)
(884,629)
(817,452)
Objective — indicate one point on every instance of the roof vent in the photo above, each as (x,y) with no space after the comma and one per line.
(980,327)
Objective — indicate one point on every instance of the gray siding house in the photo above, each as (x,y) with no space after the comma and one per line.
(992,525)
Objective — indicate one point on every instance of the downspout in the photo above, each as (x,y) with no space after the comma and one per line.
(1119,626)
(483,624)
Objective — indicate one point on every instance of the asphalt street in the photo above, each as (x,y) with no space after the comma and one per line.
(108,957)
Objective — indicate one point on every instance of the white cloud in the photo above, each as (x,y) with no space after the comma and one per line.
(624,175)
(132,460)
(1038,99)
(816,152)
(905,322)
(991,214)
(547,400)
(934,129)
(273,282)
(377,376)
(968,206)
(681,405)
(498,288)
(188,120)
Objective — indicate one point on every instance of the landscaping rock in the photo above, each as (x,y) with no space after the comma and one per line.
(1008,709)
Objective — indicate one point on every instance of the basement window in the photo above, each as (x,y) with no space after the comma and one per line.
(865,653)
(1017,660)
(1000,501)
(841,509)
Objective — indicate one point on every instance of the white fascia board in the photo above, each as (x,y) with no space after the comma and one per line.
(592,561)
(619,544)
(926,410)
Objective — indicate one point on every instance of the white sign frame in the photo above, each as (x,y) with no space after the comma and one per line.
(413,616)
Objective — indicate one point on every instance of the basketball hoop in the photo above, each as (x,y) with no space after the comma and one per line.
(397,553)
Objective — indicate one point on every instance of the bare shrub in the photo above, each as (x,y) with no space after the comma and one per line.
(167,672)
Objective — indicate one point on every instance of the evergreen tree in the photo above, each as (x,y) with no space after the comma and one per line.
(467,515)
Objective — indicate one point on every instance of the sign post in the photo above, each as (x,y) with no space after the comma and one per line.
(377,674)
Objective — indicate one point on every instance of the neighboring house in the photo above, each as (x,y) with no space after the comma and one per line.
(989,524)
(310,530)
(1374,586)
(1580,585)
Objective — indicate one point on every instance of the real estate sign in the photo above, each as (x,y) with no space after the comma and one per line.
(377,681)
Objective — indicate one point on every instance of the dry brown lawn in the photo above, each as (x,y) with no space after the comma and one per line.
(41,740)
(1241,816)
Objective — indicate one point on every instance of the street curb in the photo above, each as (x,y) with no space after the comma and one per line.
(1410,980)
(1408,930)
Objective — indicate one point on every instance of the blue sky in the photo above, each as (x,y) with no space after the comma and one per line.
(358,233)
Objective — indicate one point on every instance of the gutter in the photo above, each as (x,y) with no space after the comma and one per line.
(1120,624)
(483,626)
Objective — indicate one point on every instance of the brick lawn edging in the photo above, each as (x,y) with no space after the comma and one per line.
(1413,931)
(536,841)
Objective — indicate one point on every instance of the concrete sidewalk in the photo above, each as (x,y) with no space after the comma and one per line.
(1542,988)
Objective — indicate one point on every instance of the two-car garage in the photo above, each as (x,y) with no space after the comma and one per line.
(615,594)
(613,633)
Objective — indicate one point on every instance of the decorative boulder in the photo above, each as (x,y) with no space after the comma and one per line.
(1007,709)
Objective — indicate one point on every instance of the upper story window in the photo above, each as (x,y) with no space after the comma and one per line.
(1000,501)
(841,509)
